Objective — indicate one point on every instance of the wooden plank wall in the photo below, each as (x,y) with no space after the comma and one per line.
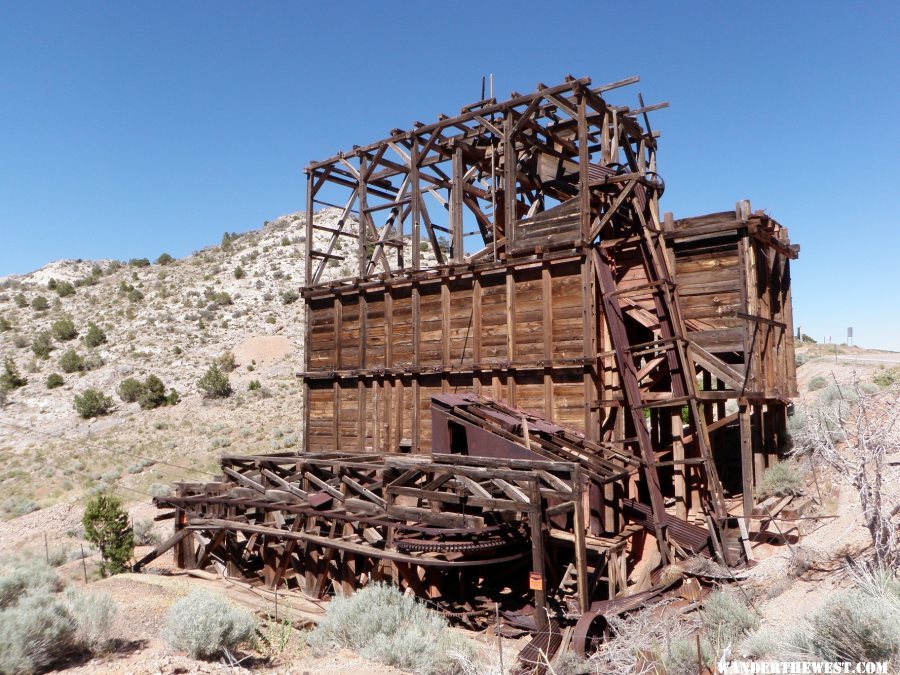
(517,331)
(378,355)
(736,301)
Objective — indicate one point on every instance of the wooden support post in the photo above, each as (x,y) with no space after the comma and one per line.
(583,160)
(417,351)
(679,478)
(476,328)
(720,405)
(363,224)
(547,309)
(415,203)
(781,428)
(336,385)
(511,333)
(538,577)
(770,428)
(707,407)
(361,394)
(612,573)
(308,244)
(759,455)
(456,207)
(589,326)
(584,601)
(510,161)
(747,474)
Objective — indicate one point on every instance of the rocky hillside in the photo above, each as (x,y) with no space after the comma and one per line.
(169,318)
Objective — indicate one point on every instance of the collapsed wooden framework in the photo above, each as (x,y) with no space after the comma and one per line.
(521,417)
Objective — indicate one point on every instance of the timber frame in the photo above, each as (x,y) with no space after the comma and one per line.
(575,374)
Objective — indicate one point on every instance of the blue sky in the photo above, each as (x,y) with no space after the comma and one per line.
(130,129)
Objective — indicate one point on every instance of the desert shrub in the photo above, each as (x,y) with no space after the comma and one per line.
(10,378)
(800,359)
(54,380)
(172,398)
(143,533)
(94,336)
(887,378)
(289,297)
(40,304)
(21,301)
(818,382)
(37,624)
(164,259)
(139,262)
(844,393)
(205,624)
(106,527)
(160,490)
(5,325)
(34,632)
(19,576)
(760,644)
(64,289)
(93,614)
(130,390)
(680,656)
(134,295)
(92,361)
(226,361)
(64,330)
(92,403)
(239,272)
(382,624)
(727,618)
(254,385)
(852,626)
(227,239)
(17,506)
(215,383)
(20,341)
(781,480)
(42,345)
(71,362)
(153,394)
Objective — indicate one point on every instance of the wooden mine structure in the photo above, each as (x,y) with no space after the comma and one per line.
(576,393)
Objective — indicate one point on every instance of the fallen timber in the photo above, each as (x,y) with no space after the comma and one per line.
(581,393)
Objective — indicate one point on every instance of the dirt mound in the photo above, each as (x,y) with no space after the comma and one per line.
(263,349)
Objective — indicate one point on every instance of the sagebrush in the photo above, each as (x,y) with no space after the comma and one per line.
(205,625)
(39,625)
(384,625)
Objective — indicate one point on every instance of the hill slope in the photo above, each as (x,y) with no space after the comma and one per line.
(172,320)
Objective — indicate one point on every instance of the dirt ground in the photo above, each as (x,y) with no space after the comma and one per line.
(781,594)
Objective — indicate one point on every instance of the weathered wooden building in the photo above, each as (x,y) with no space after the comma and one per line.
(519,315)
(576,381)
